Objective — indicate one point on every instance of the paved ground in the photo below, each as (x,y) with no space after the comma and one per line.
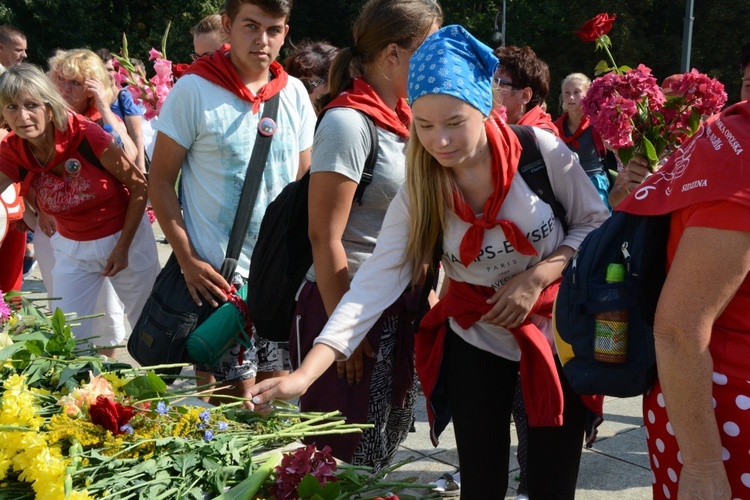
(616,467)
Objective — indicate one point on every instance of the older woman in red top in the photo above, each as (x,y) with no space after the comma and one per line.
(94,191)
(696,414)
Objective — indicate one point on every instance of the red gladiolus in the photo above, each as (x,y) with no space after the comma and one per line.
(110,415)
(596,27)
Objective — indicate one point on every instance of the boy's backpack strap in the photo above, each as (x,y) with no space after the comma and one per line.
(372,156)
(532,168)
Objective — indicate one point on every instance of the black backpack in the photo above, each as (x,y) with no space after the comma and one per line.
(639,243)
(283,253)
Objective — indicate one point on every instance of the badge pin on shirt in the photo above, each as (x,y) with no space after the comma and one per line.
(72,167)
(267,127)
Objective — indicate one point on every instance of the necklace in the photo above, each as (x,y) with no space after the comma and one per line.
(49,155)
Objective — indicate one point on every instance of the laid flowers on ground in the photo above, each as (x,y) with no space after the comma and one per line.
(76,425)
(633,114)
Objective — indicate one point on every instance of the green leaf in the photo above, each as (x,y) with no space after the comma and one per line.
(626,154)
(309,486)
(22,358)
(660,144)
(351,475)
(331,490)
(37,335)
(650,151)
(694,122)
(210,464)
(184,462)
(624,69)
(148,467)
(250,486)
(37,371)
(145,386)
(72,370)
(35,347)
(9,351)
(601,68)
(58,322)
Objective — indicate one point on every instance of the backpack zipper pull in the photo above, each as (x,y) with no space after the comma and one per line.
(625,254)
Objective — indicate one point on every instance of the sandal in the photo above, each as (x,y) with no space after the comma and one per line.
(449,485)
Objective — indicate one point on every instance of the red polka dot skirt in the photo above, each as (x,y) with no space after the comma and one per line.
(732,407)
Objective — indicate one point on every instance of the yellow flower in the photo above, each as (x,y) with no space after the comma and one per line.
(187,422)
(5,339)
(79,495)
(116,382)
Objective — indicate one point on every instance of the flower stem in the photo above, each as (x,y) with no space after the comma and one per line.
(612,60)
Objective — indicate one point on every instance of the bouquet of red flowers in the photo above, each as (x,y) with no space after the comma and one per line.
(633,114)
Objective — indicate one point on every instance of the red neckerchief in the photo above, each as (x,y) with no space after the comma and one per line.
(505,150)
(537,117)
(93,114)
(66,143)
(572,139)
(364,98)
(19,153)
(541,388)
(706,168)
(218,68)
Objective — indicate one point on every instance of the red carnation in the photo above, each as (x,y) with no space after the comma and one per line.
(110,415)
(596,27)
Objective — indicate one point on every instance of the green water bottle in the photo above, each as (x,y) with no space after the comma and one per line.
(611,327)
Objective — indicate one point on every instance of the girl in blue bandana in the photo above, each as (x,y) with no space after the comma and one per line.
(503,251)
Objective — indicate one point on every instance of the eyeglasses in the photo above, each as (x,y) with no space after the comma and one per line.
(504,85)
(195,56)
(310,85)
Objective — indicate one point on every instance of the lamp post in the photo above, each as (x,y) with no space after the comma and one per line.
(687,36)
(499,34)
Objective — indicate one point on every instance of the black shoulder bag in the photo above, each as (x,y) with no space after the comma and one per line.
(170,313)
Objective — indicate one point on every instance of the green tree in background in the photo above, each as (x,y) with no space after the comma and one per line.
(646,31)
(53,24)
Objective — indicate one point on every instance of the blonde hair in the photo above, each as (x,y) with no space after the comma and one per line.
(29,80)
(80,64)
(430,188)
(209,24)
(579,78)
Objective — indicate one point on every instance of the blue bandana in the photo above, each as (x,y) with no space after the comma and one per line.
(451,61)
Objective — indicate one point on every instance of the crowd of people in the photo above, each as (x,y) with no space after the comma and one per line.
(447,197)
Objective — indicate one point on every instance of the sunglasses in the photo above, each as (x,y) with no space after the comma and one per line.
(310,85)
(503,84)
(195,56)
